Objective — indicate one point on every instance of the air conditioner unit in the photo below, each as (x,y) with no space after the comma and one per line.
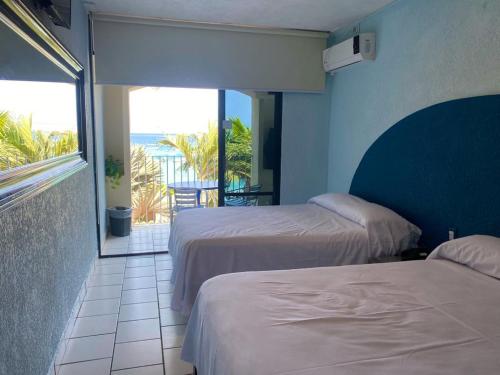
(353,50)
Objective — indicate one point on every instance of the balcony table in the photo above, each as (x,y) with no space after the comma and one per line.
(198,185)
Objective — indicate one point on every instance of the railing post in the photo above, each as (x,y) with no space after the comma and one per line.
(145,185)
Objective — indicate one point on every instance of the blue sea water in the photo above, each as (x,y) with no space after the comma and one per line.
(151,145)
(169,159)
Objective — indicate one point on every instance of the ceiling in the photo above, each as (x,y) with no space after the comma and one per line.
(325,15)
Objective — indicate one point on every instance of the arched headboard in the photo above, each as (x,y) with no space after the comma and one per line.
(439,168)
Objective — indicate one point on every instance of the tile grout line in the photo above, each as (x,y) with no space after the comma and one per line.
(159,318)
(117,322)
(79,301)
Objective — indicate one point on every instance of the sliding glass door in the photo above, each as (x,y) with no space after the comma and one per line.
(249,148)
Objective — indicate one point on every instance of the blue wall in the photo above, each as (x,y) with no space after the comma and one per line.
(304,149)
(429,51)
(47,245)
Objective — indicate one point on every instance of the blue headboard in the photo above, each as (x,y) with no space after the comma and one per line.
(439,168)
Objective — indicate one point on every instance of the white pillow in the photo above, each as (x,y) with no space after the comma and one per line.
(388,232)
(481,253)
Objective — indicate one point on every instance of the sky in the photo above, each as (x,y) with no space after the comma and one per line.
(239,105)
(180,110)
(52,104)
(152,110)
(172,110)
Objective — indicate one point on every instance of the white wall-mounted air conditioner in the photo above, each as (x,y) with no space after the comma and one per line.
(353,50)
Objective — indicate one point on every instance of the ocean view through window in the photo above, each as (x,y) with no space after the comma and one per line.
(173,139)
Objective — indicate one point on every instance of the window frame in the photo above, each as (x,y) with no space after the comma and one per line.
(21,183)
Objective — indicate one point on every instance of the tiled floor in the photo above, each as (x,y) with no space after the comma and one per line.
(125,325)
(142,239)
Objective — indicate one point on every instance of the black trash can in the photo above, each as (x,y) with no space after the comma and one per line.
(120,221)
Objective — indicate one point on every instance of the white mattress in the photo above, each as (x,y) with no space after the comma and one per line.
(208,242)
(411,318)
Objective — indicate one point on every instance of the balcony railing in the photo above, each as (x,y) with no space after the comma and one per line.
(151,176)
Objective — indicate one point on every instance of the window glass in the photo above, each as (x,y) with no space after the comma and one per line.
(38,104)
(38,121)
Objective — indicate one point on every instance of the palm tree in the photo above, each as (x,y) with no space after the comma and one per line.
(239,150)
(200,151)
(20,145)
(143,169)
(149,193)
(148,203)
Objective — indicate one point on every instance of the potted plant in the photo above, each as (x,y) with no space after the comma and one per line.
(114,171)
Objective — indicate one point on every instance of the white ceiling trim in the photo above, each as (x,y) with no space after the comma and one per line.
(108,17)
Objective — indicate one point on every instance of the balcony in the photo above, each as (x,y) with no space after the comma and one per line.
(151,198)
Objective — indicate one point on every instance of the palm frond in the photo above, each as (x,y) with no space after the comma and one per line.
(20,145)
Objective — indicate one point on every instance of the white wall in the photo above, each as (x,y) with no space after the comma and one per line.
(116,121)
(155,53)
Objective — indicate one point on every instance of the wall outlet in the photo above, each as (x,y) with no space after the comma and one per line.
(451,234)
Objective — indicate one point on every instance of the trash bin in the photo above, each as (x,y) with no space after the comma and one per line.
(120,219)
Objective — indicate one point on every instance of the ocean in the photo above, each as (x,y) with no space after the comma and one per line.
(169,159)
(151,145)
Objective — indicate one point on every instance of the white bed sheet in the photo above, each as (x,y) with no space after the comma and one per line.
(412,318)
(208,242)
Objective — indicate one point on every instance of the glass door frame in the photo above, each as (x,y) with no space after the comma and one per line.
(278,117)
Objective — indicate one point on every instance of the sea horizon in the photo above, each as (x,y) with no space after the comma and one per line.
(150,142)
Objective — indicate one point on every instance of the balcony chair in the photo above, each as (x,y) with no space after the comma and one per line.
(185,199)
(245,200)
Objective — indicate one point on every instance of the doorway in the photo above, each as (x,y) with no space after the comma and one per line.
(249,148)
(226,144)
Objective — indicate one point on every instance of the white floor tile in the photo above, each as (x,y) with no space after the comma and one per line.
(135,354)
(105,261)
(100,307)
(163,257)
(165,287)
(97,367)
(138,311)
(138,330)
(173,336)
(147,370)
(109,269)
(94,325)
(169,317)
(104,280)
(140,271)
(139,296)
(174,365)
(141,262)
(163,265)
(163,275)
(139,282)
(115,251)
(165,300)
(103,292)
(89,348)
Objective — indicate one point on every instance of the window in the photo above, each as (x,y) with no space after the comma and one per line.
(38,121)
(42,137)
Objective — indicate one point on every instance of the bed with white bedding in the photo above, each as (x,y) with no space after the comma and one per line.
(439,316)
(332,229)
